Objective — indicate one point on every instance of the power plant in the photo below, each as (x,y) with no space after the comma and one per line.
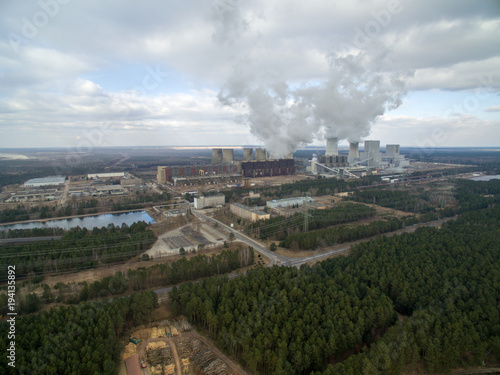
(224,168)
(357,163)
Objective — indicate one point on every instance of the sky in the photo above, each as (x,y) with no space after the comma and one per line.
(284,73)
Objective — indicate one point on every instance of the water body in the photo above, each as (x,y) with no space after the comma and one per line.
(486,178)
(88,222)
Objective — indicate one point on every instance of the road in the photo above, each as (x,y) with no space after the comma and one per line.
(275,258)
(64,197)
(178,365)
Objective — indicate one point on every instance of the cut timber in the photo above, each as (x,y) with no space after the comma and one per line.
(156,345)
(169,370)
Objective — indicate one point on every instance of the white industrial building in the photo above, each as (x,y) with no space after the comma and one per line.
(45,181)
(213,201)
(288,202)
(106,175)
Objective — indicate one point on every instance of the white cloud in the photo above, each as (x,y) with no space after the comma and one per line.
(45,84)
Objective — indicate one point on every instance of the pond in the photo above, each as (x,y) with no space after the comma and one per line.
(88,222)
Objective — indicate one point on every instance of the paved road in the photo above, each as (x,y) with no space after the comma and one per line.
(275,258)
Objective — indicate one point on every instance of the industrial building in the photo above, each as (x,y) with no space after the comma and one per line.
(247,154)
(213,201)
(225,168)
(268,168)
(110,190)
(116,175)
(357,163)
(34,196)
(45,181)
(217,156)
(248,213)
(131,182)
(289,202)
(166,173)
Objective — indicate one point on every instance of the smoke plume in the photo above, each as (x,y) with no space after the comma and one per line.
(284,115)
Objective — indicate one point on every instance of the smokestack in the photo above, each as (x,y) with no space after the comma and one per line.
(247,154)
(332,147)
(217,156)
(260,154)
(227,156)
(353,151)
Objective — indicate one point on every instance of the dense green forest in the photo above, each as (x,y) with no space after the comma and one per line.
(396,199)
(143,278)
(15,214)
(444,284)
(159,275)
(78,248)
(278,228)
(84,339)
(34,232)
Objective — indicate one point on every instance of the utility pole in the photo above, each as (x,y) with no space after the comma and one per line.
(306,221)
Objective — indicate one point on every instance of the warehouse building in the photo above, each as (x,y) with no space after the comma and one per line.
(45,181)
(213,201)
(289,202)
(248,213)
(106,175)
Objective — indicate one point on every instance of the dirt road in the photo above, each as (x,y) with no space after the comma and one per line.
(178,366)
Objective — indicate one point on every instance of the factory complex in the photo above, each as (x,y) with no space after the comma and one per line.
(358,163)
(259,163)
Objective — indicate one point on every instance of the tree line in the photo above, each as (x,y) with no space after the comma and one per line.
(83,339)
(78,248)
(144,278)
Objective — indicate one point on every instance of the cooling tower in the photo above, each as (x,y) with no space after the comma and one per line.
(260,154)
(353,151)
(289,156)
(227,156)
(332,147)
(247,154)
(217,156)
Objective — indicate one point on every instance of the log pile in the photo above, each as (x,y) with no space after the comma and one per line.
(202,357)
(159,356)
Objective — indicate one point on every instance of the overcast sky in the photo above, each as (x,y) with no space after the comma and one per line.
(150,73)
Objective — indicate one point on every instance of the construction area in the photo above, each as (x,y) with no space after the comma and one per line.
(173,347)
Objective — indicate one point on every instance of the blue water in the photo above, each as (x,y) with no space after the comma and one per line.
(88,222)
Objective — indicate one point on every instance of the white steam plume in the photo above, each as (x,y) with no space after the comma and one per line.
(344,104)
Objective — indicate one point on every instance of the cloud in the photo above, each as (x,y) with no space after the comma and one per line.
(62,70)
(495,108)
